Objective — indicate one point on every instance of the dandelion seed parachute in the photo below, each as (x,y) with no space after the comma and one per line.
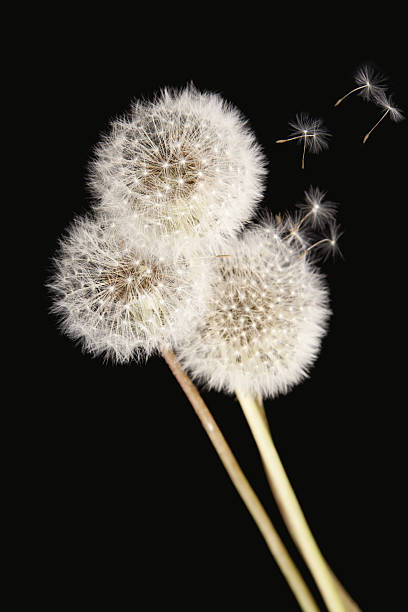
(312,130)
(385,102)
(371,82)
(118,297)
(309,132)
(265,318)
(182,166)
(318,210)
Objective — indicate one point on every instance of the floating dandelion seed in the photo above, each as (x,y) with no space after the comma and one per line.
(120,298)
(312,132)
(369,83)
(314,212)
(318,211)
(328,245)
(385,102)
(183,166)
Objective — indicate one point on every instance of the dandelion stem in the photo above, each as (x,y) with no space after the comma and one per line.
(349,604)
(262,520)
(287,500)
(349,93)
(373,128)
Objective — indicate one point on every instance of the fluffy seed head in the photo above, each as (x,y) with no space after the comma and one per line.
(183,165)
(119,298)
(265,318)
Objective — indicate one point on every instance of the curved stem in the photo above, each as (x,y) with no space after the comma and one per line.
(286,499)
(262,520)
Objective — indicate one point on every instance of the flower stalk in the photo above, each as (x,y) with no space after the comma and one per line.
(287,500)
(349,604)
(254,506)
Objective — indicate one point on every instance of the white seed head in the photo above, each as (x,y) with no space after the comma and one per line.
(263,324)
(183,165)
(118,297)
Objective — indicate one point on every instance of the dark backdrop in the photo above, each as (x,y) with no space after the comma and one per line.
(127,498)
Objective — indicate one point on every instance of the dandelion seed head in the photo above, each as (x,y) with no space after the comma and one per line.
(117,297)
(265,318)
(194,149)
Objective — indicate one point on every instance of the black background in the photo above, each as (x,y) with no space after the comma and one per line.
(125,498)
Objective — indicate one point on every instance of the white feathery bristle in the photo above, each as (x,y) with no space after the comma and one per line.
(182,166)
(371,82)
(385,102)
(312,130)
(119,297)
(266,315)
(319,211)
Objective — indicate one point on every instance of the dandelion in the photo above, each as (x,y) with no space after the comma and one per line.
(385,102)
(369,83)
(259,335)
(118,297)
(266,314)
(176,174)
(182,166)
(311,131)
